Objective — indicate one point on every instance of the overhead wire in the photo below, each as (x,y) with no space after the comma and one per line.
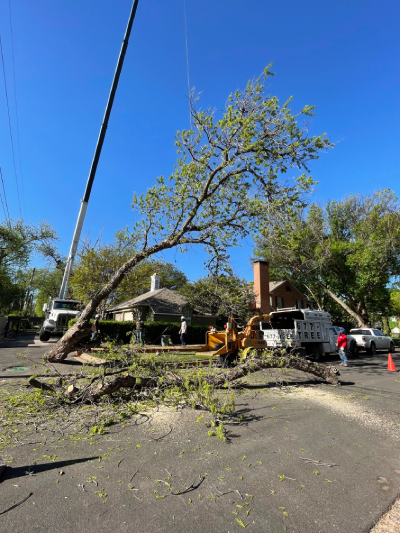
(6,214)
(16,108)
(9,124)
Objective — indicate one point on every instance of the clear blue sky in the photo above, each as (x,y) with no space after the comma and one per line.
(342,56)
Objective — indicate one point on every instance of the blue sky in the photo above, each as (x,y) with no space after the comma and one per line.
(341,56)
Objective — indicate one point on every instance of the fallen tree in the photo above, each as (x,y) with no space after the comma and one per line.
(228,177)
(101,386)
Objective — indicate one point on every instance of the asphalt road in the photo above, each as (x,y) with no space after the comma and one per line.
(354,426)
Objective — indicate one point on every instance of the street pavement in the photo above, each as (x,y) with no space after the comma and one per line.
(258,480)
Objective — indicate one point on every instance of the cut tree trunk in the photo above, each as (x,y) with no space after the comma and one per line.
(94,392)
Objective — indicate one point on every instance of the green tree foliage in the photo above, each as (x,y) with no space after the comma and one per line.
(229,176)
(46,283)
(221,296)
(19,243)
(347,251)
(97,262)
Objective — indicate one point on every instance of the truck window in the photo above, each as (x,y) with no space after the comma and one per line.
(360,332)
(378,333)
(72,306)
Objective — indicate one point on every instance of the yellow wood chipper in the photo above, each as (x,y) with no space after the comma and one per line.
(226,344)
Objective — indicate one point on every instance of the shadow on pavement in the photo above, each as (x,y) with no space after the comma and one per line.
(12,473)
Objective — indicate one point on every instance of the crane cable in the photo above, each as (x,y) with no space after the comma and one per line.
(9,124)
(187,61)
(16,108)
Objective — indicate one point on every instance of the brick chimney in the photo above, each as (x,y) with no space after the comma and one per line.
(261,286)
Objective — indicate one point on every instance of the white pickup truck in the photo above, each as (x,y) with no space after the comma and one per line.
(371,340)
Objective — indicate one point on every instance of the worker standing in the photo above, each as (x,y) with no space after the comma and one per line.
(341,343)
(183,330)
(95,328)
(139,330)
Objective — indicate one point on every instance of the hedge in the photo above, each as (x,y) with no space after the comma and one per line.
(117,331)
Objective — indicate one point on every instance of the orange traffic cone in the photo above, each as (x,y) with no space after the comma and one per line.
(391,366)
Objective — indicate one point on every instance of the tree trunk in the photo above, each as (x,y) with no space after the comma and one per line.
(385,324)
(82,327)
(94,392)
(358,316)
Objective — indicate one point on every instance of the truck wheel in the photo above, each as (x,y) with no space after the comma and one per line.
(392,347)
(315,354)
(44,335)
(354,350)
(372,349)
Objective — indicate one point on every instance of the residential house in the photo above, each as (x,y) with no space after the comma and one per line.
(160,305)
(273,295)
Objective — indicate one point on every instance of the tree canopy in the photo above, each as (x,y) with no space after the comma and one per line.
(349,251)
(230,174)
(222,296)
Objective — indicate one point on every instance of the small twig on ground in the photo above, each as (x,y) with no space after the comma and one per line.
(223,493)
(130,481)
(170,475)
(317,462)
(166,435)
(119,462)
(189,489)
(16,504)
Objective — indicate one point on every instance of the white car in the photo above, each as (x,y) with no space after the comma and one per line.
(372,340)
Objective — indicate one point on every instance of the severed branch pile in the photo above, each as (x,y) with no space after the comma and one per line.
(100,386)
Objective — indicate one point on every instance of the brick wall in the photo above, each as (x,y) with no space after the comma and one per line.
(289,297)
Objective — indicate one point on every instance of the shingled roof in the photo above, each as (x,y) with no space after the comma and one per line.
(160,300)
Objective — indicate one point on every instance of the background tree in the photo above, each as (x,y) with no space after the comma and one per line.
(228,176)
(348,250)
(19,243)
(222,296)
(46,283)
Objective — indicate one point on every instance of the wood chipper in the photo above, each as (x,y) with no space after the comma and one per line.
(226,344)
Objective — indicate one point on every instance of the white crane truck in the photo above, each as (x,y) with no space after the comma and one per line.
(58,313)
(308,332)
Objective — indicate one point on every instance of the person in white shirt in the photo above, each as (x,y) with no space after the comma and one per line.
(183,330)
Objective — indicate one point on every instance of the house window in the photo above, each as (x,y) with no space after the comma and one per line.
(279,302)
(288,288)
(299,304)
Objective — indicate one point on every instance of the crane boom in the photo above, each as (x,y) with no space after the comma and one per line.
(84,202)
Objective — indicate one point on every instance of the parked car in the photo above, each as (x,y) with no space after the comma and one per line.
(352,346)
(371,340)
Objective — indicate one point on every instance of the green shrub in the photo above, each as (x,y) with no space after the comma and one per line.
(117,331)
(113,330)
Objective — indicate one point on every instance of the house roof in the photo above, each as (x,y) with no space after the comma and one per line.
(275,284)
(160,300)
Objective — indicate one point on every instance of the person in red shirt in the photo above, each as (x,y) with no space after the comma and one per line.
(341,343)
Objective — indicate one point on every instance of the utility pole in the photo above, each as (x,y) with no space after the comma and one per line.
(96,157)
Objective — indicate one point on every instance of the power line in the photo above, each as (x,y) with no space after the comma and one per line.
(16,108)
(9,123)
(7,215)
